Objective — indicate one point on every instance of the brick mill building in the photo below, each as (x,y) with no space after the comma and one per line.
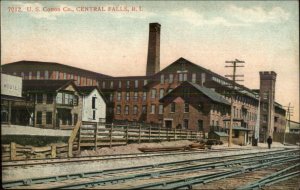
(143,98)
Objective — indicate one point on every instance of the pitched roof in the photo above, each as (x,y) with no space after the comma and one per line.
(85,90)
(54,63)
(46,85)
(214,96)
(221,134)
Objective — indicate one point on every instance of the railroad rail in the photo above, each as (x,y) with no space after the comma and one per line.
(109,157)
(216,168)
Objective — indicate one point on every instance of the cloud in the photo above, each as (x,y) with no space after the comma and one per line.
(43,12)
(258,14)
(198,19)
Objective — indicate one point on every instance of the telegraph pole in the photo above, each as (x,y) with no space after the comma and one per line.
(233,76)
(288,119)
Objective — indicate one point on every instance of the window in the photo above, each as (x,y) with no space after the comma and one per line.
(46,75)
(118,109)
(56,74)
(144,109)
(145,82)
(75,118)
(94,114)
(39,98)
(120,84)
(135,110)
(111,84)
(200,125)
(136,84)
(153,93)
(128,84)
(173,107)
(202,78)
(180,77)
(22,75)
(65,76)
(265,118)
(79,81)
(127,96)
(162,79)
(94,102)
(38,75)
(39,117)
(200,107)
(185,123)
(48,118)
(126,110)
(49,99)
(170,90)
(119,96)
(30,75)
(59,98)
(103,84)
(264,107)
(111,97)
(152,109)
(185,77)
(160,109)
(71,76)
(161,93)
(144,96)
(14,73)
(265,95)
(135,96)
(186,107)
(171,76)
(194,78)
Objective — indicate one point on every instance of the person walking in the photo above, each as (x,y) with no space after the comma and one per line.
(269,141)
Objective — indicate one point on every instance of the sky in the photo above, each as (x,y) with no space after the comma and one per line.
(111,37)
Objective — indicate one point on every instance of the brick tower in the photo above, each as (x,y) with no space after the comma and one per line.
(267,95)
(153,59)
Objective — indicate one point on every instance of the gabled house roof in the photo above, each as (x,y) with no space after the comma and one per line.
(242,89)
(86,90)
(214,96)
(46,85)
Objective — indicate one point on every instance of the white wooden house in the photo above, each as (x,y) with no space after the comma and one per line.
(93,104)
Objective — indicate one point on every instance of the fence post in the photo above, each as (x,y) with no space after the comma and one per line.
(111,132)
(139,133)
(70,149)
(53,151)
(159,132)
(126,134)
(96,135)
(168,134)
(150,133)
(175,136)
(13,151)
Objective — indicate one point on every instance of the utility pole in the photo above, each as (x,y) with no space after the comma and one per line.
(288,119)
(233,76)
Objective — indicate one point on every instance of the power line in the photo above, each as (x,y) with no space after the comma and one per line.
(233,76)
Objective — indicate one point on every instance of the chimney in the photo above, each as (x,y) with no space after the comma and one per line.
(153,59)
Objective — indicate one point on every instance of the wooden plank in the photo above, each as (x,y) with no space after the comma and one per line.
(13,151)
(139,134)
(53,151)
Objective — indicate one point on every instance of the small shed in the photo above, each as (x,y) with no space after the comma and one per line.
(222,136)
(240,135)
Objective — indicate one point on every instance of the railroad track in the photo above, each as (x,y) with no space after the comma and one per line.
(25,163)
(167,175)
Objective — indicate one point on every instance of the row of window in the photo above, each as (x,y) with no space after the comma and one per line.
(39,118)
(128,83)
(58,75)
(182,76)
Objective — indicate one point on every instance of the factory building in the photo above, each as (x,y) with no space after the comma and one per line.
(143,98)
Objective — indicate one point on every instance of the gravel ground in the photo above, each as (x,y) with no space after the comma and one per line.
(14,173)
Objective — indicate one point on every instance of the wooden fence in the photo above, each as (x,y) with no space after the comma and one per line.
(99,135)
(15,151)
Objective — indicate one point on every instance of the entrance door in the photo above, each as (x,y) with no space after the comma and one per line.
(168,124)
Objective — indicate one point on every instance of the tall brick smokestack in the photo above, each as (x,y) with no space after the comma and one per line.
(153,59)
